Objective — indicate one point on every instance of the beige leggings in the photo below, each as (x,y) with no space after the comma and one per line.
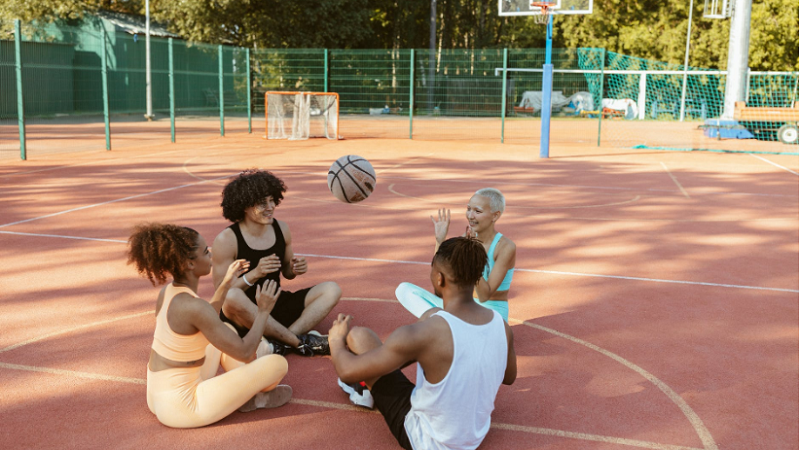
(195,397)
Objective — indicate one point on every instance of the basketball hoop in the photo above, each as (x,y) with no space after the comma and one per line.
(544,7)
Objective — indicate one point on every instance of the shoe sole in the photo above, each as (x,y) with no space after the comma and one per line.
(364,400)
(272,399)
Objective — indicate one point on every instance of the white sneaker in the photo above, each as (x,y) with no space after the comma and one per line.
(359,395)
(272,399)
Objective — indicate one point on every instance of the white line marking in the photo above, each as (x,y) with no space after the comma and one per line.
(657,280)
(675,180)
(774,164)
(70,330)
(18,233)
(73,373)
(636,198)
(396,261)
(694,419)
(589,437)
(160,191)
(706,438)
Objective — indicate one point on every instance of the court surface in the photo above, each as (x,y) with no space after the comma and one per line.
(654,305)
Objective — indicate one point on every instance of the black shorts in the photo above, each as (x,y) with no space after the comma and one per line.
(392,395)
(287,310)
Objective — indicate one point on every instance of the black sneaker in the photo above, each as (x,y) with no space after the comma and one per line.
(316,342)
(279,348)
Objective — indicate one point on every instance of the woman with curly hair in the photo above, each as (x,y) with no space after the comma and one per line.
(249,201)
(190,342)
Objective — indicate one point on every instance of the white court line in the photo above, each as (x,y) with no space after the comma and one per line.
(96,161)
(160,191)
(675,180)
(774,164)
(624,202)
(398,261)
(695,421)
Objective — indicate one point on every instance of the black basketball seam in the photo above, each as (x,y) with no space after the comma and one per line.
(352,162)
(341,185)
(352,179)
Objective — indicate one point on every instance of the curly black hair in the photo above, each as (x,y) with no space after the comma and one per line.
(160,249)
(465,257)
(248,189)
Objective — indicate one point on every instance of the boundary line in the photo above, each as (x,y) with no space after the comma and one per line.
(398,261)
(774,164)
(702,432)
(675,180)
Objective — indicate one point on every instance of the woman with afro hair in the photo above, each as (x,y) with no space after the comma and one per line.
(191,342)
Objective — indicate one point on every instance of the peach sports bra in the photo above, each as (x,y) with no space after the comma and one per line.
(171,345)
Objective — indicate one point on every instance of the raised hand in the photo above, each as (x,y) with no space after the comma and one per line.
(441,225)
(266,298)
(470,233)
(235,270)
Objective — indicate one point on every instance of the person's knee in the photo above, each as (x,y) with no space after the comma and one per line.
(333,291)
(362,339)
(277,364)
(235,305)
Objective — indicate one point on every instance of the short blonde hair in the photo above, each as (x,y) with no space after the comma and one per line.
(496,200)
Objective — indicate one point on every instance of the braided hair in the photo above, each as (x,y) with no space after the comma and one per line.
(248,189)
(465,257)
(160,249)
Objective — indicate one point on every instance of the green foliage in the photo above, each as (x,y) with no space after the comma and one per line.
(653,29)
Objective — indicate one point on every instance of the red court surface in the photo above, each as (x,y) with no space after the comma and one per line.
(654,306)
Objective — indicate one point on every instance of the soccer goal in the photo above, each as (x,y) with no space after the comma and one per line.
(302,115)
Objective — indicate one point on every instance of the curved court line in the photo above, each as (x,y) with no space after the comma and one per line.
(397,261)
(708,442)
(694,419)
(391,189)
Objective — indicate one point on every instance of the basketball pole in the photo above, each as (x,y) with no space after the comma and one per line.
(686,63)
(547,91)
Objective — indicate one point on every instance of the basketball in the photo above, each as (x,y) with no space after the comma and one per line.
(351,179)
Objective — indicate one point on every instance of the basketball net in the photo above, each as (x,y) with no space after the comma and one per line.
(545,9)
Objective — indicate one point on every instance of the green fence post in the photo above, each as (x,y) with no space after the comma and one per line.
(171,93)
(602,74)
(20,103)
(503,102)
(104,73)
(221,96)
(249,94)
(325,80)
(411,99)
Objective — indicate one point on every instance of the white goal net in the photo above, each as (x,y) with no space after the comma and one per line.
(302,115)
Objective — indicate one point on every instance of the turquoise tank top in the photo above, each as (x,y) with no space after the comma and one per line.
(506,284)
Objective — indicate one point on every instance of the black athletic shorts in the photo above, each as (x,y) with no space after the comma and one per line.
(392,395)
(287,310)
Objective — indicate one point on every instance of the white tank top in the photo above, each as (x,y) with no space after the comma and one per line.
(455,413)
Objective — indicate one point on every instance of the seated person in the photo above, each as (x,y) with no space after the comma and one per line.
(190,342)
(483,211)
(249,201)
(463,353)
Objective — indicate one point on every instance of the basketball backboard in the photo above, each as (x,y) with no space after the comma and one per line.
(524,8)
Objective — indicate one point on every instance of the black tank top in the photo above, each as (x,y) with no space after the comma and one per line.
(243,251)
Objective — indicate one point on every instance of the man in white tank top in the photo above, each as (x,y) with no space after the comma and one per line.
(463,353)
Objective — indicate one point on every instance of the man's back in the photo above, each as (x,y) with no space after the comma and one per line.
(454,410)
